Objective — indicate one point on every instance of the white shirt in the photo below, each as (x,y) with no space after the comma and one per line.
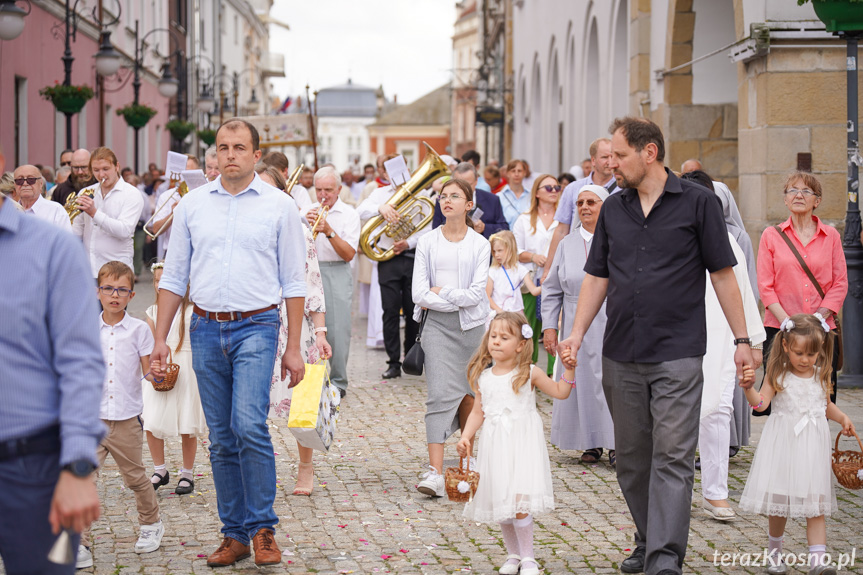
(123,346)
(535,243)
(446,263)
(108,235)
(469,297)
(51,212)
(301,196)
(345,222)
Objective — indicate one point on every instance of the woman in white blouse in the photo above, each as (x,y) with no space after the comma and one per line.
(449,281)
(533,231)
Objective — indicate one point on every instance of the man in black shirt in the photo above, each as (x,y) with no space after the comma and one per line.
(653,243)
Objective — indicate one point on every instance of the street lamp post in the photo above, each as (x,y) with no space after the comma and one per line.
(852,310)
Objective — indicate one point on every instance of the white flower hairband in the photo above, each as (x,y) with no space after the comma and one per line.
(526,331)
(156,266)
(824,325)
(787,323)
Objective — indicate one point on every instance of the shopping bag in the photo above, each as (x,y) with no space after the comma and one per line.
(314,409)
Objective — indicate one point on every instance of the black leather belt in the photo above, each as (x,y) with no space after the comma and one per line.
(44,442)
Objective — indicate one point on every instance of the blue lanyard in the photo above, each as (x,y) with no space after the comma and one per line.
(509,280)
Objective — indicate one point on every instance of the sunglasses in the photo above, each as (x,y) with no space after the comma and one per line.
(29,181)
(550,189)
(63,164)
(590,202)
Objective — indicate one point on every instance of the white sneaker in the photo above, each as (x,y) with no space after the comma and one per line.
(150,538)
(510,568)
(432,483)
(84,559)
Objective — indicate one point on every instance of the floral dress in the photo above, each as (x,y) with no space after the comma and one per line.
(280,394)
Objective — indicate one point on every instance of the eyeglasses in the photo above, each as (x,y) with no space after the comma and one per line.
(807,193)
(29,180)
(62,164)
(549,189)
(451,197)
(590,202)
(80,168)
(110,290)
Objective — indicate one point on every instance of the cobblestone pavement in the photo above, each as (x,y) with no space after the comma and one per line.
(365,515)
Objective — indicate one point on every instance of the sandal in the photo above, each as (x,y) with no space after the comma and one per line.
(305,479)
(612,458)
(184,486)
(591,455)
(163,479)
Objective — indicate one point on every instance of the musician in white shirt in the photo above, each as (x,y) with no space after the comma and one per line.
(108,219)
(338,234)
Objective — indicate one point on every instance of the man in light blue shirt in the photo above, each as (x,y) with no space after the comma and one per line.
(239,243)
(567,210)
(50,388)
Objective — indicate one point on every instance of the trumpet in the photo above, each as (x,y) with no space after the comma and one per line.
(71,205)
(182,190)
(292,181)
(321,215)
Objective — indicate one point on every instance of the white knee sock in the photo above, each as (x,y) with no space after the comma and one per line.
(524,531)
(510,540)
(774,548)
(816,553)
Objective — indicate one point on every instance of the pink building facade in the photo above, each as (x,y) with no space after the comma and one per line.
(33,132)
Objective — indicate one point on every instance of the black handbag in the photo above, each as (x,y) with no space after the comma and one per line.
(415,357)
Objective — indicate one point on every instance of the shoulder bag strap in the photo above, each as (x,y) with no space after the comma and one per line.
(802,263)
(422,323)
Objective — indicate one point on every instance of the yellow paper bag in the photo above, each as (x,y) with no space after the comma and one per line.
(314,409)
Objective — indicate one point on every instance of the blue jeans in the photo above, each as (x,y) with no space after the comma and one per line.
(25,500)
(233,363)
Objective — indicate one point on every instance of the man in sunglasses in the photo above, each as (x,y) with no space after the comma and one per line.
(29,186)
(81,177)
(66,157)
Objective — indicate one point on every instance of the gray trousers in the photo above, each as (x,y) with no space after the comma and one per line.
(338,294)
(655,408)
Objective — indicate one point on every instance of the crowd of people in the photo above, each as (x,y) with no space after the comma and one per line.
(640,282)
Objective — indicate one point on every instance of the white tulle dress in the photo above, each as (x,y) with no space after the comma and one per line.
(791,474)
(515,475)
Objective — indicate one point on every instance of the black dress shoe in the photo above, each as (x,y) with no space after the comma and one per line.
(635,562)
(668,572)
(392,372)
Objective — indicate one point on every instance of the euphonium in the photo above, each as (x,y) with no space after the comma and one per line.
(415,211)
(321,215)
(71,205)
(182,190)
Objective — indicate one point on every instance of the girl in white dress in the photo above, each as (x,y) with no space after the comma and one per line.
(515,475)
(176,412)
(790,474)
(506,275)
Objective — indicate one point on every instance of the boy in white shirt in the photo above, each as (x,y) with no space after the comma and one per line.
(126,346)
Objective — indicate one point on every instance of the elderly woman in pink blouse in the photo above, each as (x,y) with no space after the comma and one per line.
(783,284)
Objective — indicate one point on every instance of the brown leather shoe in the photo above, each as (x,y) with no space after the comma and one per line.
(228,553)
(266,550)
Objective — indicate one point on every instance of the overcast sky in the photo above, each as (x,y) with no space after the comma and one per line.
(406,45)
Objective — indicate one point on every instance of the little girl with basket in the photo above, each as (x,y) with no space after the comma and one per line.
(513,465)
(790,474)
(178,411)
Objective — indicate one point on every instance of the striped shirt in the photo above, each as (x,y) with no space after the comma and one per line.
(51,366)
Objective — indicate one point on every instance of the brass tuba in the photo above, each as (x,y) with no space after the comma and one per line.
(415,211)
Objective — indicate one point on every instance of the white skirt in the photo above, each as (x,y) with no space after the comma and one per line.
(791,474)
(172,413)
(514,472)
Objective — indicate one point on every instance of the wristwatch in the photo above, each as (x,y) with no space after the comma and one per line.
(745,340)
(331,235)
(80,467)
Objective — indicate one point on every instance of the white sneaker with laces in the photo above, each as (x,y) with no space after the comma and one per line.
(432,483)
(150,538)
(84,559)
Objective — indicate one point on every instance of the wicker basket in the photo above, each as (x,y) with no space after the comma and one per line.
(847,465)
(461,475)
(170,379)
